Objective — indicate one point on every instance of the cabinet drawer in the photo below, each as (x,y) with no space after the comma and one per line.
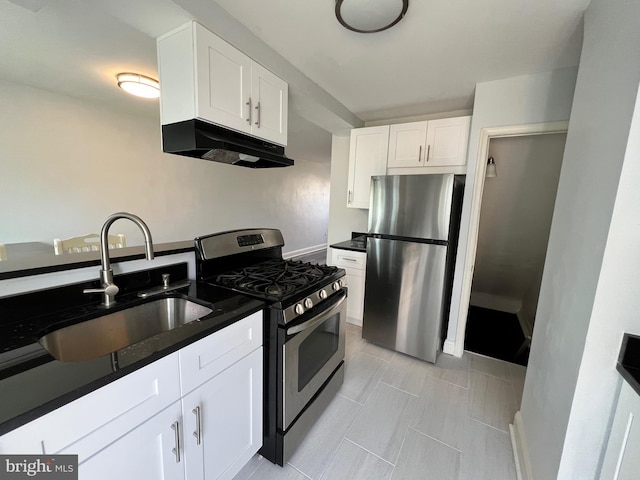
(206,358)
(101,416)
(349,259)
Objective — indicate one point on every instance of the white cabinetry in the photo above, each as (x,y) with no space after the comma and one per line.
(433,143)
(223,410)
(355,264)
(621,461)
(139,427)
(202,76)
(367,157)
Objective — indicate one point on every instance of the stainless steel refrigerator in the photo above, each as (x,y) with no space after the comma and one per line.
(413,230)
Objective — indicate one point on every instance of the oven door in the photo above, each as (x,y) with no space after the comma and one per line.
(313,349)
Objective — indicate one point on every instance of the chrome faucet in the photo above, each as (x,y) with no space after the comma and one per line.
(108,289)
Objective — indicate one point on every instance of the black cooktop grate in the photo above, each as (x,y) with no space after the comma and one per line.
(275,278)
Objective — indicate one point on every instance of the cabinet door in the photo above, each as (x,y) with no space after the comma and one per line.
(144,453)
(407,145)
(223,82)
(226,431)
(447,141)
(355,301)
(367,157)
(270,105)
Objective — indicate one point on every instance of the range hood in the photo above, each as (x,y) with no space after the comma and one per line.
(199,139)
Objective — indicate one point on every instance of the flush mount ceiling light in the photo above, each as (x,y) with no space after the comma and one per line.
(370,16)
(139,85)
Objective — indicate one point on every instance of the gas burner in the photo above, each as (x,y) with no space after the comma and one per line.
(275,278)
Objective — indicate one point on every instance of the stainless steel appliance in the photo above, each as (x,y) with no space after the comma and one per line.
(413,231)
(304,327)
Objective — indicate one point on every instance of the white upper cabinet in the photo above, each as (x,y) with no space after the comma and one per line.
(434,143)
(407,144)
(367,157)
(202,76)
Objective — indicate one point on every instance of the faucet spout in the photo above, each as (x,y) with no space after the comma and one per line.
(104,237)
(108,288)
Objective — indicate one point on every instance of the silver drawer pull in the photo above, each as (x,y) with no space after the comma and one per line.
(198,432)
(349,259)
(176,431)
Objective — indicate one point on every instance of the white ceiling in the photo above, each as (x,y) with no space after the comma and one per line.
(428,63)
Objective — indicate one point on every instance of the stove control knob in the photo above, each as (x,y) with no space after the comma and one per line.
(308,303)
(335,286)
(299,309)
(322,294)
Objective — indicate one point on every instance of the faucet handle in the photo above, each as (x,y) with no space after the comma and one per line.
(165,279)
(108,290)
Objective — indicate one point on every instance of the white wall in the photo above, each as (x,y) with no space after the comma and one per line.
(589,294)
(528,99)
(515,219)
(67,164)
(342,219)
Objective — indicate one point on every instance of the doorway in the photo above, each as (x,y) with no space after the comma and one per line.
(513,232)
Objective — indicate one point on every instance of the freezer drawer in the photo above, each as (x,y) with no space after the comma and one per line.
(404,296)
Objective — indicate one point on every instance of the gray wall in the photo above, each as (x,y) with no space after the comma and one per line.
(517,206)
(67,164)
(528,99)
(589,294)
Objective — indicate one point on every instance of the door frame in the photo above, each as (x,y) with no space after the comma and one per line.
(486,135)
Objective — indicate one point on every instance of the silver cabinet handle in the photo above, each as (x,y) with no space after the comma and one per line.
(198,432)
(419,153)
(176,431)
(349,259)
(258,115)
(249,105)
(428,151)
(349,197)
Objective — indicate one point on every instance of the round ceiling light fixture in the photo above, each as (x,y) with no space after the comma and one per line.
(139,85)
(370,16)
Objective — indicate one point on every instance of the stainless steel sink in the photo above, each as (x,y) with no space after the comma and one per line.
(114,331)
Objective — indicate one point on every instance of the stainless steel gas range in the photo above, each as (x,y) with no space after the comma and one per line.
(304,327)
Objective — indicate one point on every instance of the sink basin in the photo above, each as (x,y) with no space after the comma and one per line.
(114,331)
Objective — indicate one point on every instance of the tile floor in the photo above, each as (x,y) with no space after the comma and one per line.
(400,418)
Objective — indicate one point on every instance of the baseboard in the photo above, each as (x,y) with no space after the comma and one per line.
(520,449)
(449,347)
(354,321)
(304,251)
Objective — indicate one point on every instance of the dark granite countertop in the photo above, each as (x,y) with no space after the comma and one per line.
(33,383)
(357,243)
(629,360)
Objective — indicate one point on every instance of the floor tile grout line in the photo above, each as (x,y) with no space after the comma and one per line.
(436,439)
(299,471)
(487,425)
(330,461)
(398,388)
(368,451)
(492,376)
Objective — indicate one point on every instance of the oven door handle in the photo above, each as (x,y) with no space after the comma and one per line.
(315,321)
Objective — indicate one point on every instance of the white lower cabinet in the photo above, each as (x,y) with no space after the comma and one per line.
(223,421)
(145,453)
(354,264)
(145,426)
